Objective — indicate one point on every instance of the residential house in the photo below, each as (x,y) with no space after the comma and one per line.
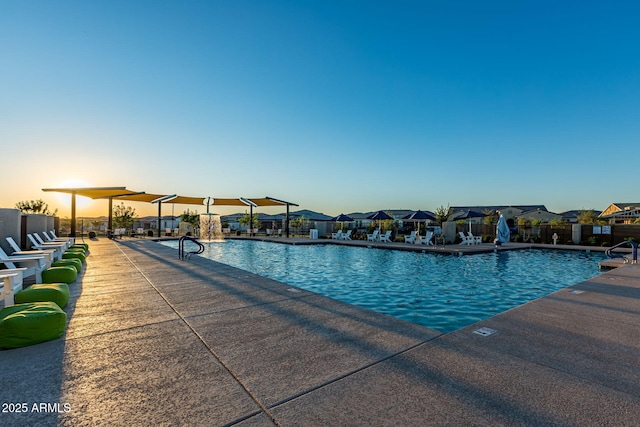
(621,213)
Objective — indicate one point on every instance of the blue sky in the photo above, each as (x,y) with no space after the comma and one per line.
(339,106)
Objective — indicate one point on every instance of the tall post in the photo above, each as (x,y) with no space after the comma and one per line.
(73,213)
(110,220)
(159,217)
(286,227)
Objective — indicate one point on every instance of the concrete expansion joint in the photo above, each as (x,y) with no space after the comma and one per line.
(353,372)
(210,349)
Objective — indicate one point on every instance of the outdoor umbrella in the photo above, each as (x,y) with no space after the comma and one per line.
(341,218)
(468,214)
(419,215)
(378,216)
(502,230)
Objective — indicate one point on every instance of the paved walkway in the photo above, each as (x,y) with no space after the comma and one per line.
(157,341)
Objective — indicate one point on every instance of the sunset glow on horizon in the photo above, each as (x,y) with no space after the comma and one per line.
(338,107)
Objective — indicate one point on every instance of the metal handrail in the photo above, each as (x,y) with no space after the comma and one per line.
(187,255)
(634,252)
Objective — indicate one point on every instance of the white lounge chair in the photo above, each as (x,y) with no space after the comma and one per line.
(65,244)
(475,240)
(59,248)
(346,236)
(10,284)
(465,239)
(55,236)
(52,238)
(411,238)
(427,240)
(386,237)
(373,236)
(337,235)
(30,265)
(47,253)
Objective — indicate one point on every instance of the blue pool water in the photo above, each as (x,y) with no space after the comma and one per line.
(442,292)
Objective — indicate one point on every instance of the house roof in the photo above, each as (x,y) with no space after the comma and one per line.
(523,208)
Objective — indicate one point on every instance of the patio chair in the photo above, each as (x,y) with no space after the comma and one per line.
(373,236)
(58,248)
(10,284)
(346,236)
(337,235)
(475,240)
(55,236)
(30,265)
(52,238)
(465,239)
(428,239)
(47,253)
(411,238)
(64,244)
(386,237)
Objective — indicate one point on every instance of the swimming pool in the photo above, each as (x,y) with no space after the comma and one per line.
(442,292)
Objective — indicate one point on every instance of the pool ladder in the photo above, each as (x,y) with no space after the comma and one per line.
(634,252)
(186,255)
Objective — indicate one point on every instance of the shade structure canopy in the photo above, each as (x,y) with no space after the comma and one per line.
(466,215)
(420,216)
(93,193)
(379,216)
(122,193)
(341,218)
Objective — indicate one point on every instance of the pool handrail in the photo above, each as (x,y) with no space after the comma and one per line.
(634,251)
(187,255)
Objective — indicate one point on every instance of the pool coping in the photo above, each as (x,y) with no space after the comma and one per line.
(144,346)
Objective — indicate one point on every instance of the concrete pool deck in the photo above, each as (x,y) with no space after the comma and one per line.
(153,340)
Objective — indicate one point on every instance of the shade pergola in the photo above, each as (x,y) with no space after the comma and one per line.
(122,193)
(269,201)
(92,193)
(159,199)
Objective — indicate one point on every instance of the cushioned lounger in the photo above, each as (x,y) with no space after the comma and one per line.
(54,292)
(31,323)
(74,254)
(84,246)
(59,275)
(68,262)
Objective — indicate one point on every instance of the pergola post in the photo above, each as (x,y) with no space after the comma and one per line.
(73,214)
(286,228)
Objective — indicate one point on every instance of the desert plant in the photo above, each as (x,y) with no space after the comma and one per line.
(250,222)
(35,207)
(191,218)
(441,214)
(123,216)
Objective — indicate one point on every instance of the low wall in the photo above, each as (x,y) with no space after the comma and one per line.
(9,227)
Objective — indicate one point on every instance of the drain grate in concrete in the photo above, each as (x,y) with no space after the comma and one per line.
(485,332)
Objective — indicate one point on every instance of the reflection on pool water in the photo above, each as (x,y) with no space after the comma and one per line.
(442,292)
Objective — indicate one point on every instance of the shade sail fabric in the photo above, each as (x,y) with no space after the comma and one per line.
(503,234)
(95,192)
(227,202)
